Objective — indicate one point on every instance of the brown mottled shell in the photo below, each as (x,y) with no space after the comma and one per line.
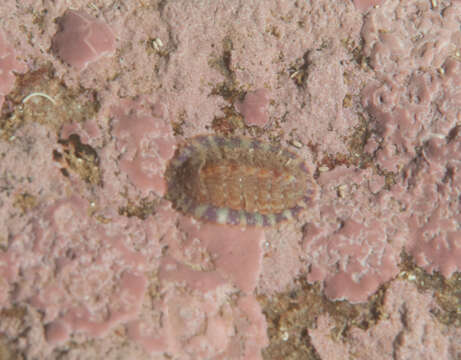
(238,180)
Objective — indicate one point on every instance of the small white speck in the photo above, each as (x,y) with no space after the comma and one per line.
(297,144)
(285,336)
(157,44)
(342,190)
(294,74)
(411,277)
(222,215)
(324,168)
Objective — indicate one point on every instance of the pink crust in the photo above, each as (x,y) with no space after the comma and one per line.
(9,272)
(414,104)
(403,98)
(199,325)
(82,39)
(145,141)
(254,107)
(405,332)
(432,195)
(83,276)
(8,65)
(204,266)
(234,254)
(355,246)
(364,5)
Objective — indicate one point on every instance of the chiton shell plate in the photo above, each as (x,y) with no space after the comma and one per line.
(238,180)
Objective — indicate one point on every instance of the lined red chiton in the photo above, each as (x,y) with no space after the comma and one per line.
(237,180)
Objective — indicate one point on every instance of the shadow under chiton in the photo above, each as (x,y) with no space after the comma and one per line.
(237,180)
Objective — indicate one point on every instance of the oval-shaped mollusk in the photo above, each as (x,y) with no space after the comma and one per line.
(238,180)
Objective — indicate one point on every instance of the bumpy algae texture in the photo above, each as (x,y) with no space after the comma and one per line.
(95,100)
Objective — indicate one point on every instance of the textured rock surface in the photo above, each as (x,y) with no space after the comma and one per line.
(402,333)
(145,143)
(254,107)
(8,65)
(82,39)
(95,263)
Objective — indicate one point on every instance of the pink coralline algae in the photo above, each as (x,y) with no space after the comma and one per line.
(204,266)
(235,254)
(145,141)
(195,325)
(8,272)
(432,196)
(121,270)
(82,39)
(413,106)
(363,5)
(356,245)
(405,332)
(83,276)
(403,97)
(125,305)
(8,65)
(254,107)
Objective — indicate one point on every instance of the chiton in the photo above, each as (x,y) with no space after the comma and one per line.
(238,180)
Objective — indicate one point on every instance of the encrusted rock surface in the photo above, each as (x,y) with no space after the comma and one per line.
(96,97)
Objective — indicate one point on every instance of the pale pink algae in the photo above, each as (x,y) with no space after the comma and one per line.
(8,66)
(192,326)
(404,332)
(145,141)
(201,326)
(364,5)
(9,267)
(431,194)
(422,114)
(355,247)
(202,305)
(125,305)
(235,253)
(172,270)
(82,39)
(254,107)
(99,281)
(197,274)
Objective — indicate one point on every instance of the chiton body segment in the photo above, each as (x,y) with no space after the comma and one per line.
(238,180)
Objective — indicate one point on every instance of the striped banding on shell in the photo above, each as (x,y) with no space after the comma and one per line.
(238,180)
